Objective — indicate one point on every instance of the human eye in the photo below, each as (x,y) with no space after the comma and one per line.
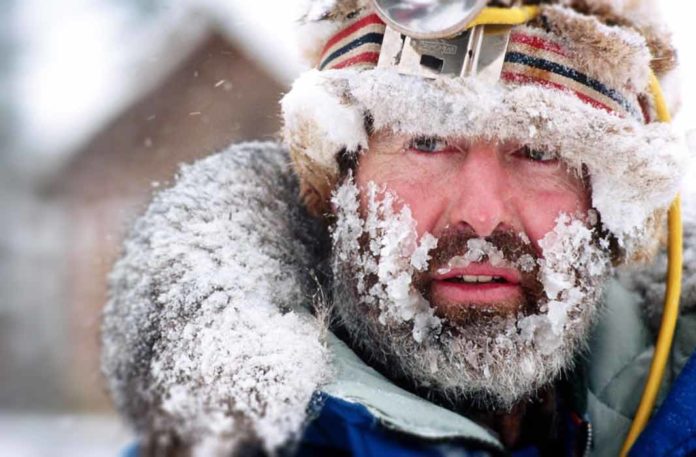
(536,155)
(428,144)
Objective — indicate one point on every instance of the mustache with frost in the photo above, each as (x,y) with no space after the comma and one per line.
(504,248)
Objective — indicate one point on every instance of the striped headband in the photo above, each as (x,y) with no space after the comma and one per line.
(533,57)
(357,45)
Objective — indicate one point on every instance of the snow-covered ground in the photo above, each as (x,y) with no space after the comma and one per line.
(36,435)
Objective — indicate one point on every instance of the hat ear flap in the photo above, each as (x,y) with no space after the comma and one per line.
(321,119)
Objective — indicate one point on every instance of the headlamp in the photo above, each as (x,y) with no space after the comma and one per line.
(432,38)
(428,19)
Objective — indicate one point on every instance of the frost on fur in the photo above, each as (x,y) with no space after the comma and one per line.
(207,338)
(590,42)
(494,360)
(614,41)
(319,20)
(317,130)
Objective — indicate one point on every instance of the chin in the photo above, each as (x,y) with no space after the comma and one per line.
(464,314)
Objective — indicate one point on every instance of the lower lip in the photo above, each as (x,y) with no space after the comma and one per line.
(472,294)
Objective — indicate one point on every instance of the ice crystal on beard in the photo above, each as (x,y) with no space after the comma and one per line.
(477,250)
(526,263)
(567,250)
(392,256)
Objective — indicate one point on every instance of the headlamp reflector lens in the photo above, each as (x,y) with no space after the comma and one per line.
(428,18)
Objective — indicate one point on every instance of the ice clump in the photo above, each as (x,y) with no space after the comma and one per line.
(573,266)
(394,253)
(477,250)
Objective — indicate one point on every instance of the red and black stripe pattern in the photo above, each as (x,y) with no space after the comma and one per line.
(533,57)
(355,46)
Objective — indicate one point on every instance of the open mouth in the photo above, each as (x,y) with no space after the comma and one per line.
(476,285)
(478,273)
(476,279)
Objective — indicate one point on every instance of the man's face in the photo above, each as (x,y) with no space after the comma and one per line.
(458,190)
(471,269)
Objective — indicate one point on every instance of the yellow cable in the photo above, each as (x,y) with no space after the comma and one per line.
(660,103)
(671,308)
(505,16)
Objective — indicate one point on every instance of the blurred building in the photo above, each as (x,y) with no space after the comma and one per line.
(64,226)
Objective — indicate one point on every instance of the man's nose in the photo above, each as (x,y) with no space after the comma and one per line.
(480,191)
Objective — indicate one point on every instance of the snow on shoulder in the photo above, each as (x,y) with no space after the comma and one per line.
(207,335)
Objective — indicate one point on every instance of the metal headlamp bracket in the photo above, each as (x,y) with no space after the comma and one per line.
(479,52)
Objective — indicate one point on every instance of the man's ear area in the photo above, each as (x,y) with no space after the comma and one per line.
(317,181)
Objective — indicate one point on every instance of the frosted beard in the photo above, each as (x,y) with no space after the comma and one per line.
(493,359)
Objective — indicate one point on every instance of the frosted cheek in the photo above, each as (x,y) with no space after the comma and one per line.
(539,217)
(539,204)
(422,186)
(395,252)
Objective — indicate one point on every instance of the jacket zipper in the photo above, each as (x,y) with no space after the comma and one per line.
(588,442)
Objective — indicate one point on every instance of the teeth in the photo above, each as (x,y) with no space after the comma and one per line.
(477,279)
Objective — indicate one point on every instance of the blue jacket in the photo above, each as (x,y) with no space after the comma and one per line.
(343,428)
(672,431)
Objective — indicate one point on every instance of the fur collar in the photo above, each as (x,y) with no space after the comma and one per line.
(207,337)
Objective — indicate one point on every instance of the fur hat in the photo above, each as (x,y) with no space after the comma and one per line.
(592,104)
